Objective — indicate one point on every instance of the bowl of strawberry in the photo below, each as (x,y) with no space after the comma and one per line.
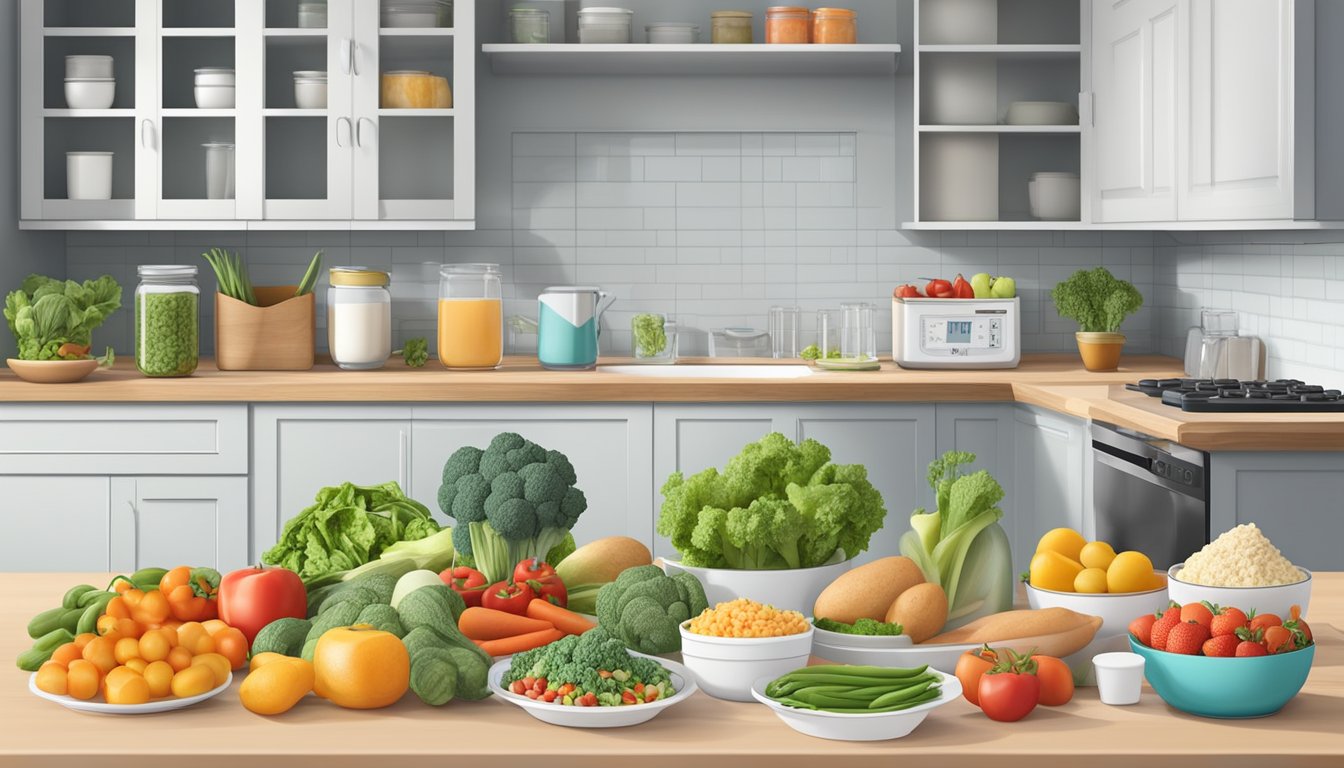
(1216,661)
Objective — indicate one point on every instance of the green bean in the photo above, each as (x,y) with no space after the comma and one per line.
(860,671)
(894,697)
(926,697)
(856,682)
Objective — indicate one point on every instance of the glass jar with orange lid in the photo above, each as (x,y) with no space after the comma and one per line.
(786,24)
(471,316)
(834,26)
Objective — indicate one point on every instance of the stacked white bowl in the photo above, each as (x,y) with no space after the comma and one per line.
(215,88)
(310,89)
(89,83)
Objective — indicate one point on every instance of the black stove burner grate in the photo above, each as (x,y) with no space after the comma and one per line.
(1233,396)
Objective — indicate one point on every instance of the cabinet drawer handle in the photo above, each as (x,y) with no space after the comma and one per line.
(339,122)
(347,54)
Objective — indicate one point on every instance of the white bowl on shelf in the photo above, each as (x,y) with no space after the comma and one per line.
(838,726)
(215,96)
(726,666)
(1041,113)
(90,93)
(792,590)
(215,76)
(88,67)
(88,175)
(1276,600)
(1055,196)
(596,717)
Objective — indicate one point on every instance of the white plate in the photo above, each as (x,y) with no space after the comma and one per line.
(878,726)
(597,717)
(148,708)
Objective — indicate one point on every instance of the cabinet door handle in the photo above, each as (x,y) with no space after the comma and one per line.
(146,125)
(347,54)
(359,131)
(354,58)
(339,122)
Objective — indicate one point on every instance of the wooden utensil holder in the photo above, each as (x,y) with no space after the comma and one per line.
(278,335)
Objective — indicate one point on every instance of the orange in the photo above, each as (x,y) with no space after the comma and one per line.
(100,652)
(1051,570)
(127,688)
(82,679)
(127,648)
(154,645)
(231,643)
(67,653)
(219,666)
(360,668)
(1065,541)
(159,676)
(51,678)
(193,681)
(179,658)
(277,686)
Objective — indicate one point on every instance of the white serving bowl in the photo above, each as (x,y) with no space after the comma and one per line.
(88,67)
(1054,196)
(879,726)
(596,717)
(215,96)
(1116,612)
(1276,600)
(726,666)
(840,639)
(90,93)
(1041,113)
(789,590)
(310,92)
(942,657)
(215,76)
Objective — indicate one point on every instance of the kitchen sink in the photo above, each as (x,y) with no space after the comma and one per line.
(710,371)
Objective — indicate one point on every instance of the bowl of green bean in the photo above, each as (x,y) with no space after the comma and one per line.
(856,703)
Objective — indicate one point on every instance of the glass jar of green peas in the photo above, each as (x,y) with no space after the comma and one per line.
(167,320)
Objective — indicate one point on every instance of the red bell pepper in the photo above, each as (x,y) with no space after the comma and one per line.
(551,589)
(467,582)
(508,597)
(251,598)
(962,289)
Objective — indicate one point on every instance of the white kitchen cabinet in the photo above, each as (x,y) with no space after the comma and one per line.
(1294,498)
(609,445)
(1050,457)
(55,523)
(351,165)
(298,449)
(894,441)
(167,521)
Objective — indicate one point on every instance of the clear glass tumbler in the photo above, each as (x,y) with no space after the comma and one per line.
(857,339)
(784,332)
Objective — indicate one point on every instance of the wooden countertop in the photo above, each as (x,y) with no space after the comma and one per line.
(1054,381)
(702,730)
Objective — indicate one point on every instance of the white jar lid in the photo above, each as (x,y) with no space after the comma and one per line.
(88,154)
(606,12)
(215,71)
(310,74)
(166,270)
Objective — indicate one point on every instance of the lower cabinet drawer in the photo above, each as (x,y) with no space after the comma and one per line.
(158,439)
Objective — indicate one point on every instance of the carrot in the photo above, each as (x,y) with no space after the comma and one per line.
(519,643)
(564,619)
(488,624)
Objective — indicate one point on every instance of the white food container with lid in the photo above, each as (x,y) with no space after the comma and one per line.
(88,175)
(88,67)
(672,33)
(215,76)
(359,318)
(605,26)
(1054,196)
(89,93)
(310,89)
(417,14)
(956,333)
(312,15)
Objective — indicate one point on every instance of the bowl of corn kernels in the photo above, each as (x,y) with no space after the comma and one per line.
(730,645)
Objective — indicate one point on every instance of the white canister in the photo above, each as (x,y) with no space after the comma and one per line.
(313,15)
(605,25)
(310,89)
(1054,196)
(219,170)
(90,93)
(88,175)
(215,96)
(359,318)
(88,67)
(672,33)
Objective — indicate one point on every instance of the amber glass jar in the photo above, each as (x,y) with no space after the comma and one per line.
(834,25)
(730,27)
(786,24)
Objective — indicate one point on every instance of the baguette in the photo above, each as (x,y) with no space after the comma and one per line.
(1055,631)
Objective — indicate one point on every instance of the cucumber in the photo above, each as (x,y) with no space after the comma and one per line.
(45,622)
(71,599)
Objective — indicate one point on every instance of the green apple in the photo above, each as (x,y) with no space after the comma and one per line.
(980,283)
(1002,288)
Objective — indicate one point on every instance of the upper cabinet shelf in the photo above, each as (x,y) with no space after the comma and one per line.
(1044,50)
(641,59)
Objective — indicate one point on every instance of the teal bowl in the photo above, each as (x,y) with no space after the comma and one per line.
(1254,686)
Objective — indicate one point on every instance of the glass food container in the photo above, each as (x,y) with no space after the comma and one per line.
(671,33)
(529,25)
(787,24)
(730,28)
(834,26)
(605,25)
(471,316)
(653,338)
(359,318)
(313,15)
(167,320)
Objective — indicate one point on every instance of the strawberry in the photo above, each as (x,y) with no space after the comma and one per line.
(1197,612)
(1162,627)
(1187,638)
(1221,645)
(1142,628)
(1251,648)
(1226,621)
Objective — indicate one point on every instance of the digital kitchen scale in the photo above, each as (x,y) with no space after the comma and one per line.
(956,333)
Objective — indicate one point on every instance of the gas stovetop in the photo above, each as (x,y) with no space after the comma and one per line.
(1233,396)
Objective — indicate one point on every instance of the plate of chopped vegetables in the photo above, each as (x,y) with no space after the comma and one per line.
(590,681)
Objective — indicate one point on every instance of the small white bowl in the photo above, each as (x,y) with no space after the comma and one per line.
(1276,600)
(788,590)
(88,66)
(215,76)
(310,94)
(726,666)
(596,717)
(215,96)
(879,726)
(90,93)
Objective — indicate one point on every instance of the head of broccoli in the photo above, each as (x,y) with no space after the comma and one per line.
(512,501)
(643,607)
(1096,299)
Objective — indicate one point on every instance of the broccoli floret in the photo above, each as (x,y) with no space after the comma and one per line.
(643,607)
(578,658)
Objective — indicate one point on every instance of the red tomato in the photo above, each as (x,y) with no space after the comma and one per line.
(467,582)
(907,292)
(1056,680)
(511,598)
(939,289)
(1010,690)
(251,598)
(532,568)
(971,666)
(551,589)
(962,289)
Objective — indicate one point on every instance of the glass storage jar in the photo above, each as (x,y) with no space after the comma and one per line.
(529,25)
(730,28)
(605,25)
(653,338)
(167,320)
(834,26)
(313,15)
(471,316)
(787,24)
(359,318)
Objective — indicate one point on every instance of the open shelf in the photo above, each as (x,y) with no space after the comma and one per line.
(417,31)
(88,113)
(88,32)
(694,59)
(292,112)
(1000,129)
(198,32)
(1026,50)
(194,112)
(386,112)
(295,32)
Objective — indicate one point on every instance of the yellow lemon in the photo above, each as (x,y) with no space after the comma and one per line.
(1096,554)
(1053,571)
(1130,572)
(1065,541)
(1090,580)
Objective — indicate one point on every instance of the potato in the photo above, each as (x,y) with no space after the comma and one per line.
(867,591)
(921,610)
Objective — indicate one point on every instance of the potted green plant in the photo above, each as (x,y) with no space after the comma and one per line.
(1099,302)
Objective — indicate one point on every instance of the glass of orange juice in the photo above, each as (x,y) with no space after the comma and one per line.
(471,316)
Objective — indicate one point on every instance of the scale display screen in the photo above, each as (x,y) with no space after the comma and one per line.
(958,331)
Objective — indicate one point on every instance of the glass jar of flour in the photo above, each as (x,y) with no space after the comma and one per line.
(359,318)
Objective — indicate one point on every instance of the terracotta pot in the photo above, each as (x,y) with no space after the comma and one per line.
(1100,351)
(278,335)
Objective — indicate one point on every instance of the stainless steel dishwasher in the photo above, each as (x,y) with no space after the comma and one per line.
(1149,494)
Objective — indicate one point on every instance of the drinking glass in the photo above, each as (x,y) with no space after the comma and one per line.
(784,332)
